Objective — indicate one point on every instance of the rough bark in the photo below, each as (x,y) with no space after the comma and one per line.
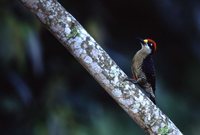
(99,64)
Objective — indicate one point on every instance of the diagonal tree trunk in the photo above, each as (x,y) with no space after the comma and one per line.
(99,64)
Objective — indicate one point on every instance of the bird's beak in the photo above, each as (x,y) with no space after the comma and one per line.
(142,41)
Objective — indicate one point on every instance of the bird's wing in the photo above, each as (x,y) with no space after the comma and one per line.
(149,70)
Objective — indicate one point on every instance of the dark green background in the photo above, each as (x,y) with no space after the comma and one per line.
(45,91)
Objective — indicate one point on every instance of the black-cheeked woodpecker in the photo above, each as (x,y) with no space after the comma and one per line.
(143,69)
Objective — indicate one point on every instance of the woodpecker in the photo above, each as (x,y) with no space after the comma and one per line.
(143,69)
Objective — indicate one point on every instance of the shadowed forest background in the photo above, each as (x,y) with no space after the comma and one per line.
(45,91)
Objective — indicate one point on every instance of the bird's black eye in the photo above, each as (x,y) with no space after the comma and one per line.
(151,44)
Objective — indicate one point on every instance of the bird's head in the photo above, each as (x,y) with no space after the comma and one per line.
(149,45)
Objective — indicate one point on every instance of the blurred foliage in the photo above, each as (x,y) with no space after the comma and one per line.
(44,91)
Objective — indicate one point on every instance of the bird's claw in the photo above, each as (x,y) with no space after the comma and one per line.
(131,80)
